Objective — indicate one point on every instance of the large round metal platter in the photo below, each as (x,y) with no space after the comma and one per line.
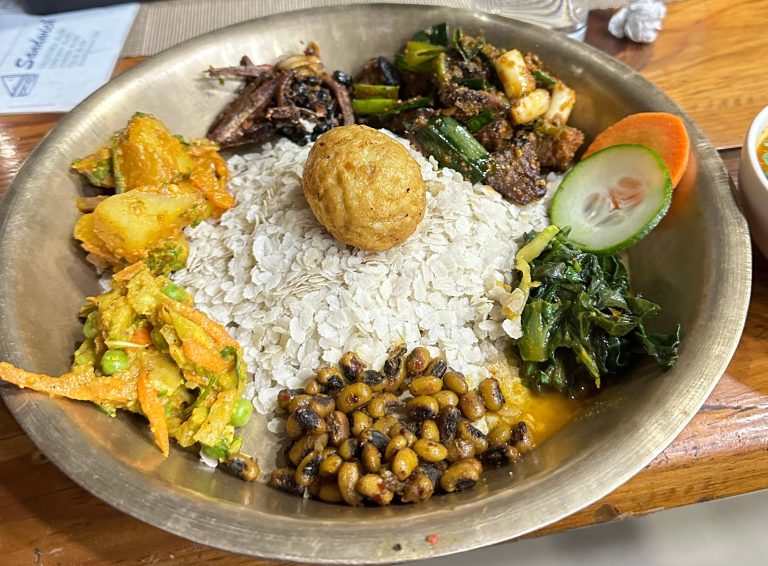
(696,264)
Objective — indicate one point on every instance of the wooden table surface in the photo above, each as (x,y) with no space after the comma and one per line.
(708,59)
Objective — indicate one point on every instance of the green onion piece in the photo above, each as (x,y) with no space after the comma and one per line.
(543,78)
(417,56)
(436,35)
(453,146)
(467,49)
(418,102)
(362,90)
(372,105)
(475,123)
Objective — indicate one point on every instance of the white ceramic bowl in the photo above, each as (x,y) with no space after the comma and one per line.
(754,183)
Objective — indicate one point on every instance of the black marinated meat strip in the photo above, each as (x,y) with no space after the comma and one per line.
(556,152)
(517,174)
(496,135)
(244,110)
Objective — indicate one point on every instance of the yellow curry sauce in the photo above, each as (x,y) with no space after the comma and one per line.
(762,151)
(544,413)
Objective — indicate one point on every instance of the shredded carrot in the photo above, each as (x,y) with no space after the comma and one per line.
(663,132)
(142,335)
(213,329)
(130,272)
(153,410)
(204,357)
(118,390)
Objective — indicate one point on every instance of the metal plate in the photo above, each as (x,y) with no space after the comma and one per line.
(697,264)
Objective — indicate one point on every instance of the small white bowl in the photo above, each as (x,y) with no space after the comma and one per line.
(754,183)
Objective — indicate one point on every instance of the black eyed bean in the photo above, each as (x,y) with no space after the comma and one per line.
(372,486)
(458,449)
(300,400)
(421,408)
(404,462)
(437,367)
(348,476)
(490,390)
(313,387)
(337,424)
(360,421)
(446,398)
(429,450)
(330,377)
(370,458)
(383,404)
(473,435)
(418,488)
(385,424)
(293,427)
(351,365)
(378,439)
(349,448)
(394,368)
(285,479)
(329,492)
(395,444)
(373,379)
(285,396)
(323,405)
(500,435)
(521,438)
(307,470)
(310,420)
(432,471)
(425,385)
(329,467)
(244,467)
(499,455)
(460,475)
(429,431)
(448,422)
(418,360)
(455,382)
(353,397)
(471,404)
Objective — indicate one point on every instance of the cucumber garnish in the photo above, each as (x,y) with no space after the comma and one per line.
(613,198)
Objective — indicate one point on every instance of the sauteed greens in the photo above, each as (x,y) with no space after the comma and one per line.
(582,323)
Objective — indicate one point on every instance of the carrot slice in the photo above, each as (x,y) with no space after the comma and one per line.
(663,132)
(153,410)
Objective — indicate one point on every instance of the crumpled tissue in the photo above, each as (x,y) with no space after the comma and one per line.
(640,21)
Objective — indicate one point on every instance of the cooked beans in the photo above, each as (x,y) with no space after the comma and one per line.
(490,390)
(400,434)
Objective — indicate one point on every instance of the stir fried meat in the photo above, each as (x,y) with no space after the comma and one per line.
(517,175)
(295,98)
(556,151)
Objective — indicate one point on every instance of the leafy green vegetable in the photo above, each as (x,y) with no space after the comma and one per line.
(582,323)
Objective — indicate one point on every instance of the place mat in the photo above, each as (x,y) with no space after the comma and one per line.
(160,25)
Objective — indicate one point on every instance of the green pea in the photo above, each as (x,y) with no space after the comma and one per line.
(114,361)
(175,292)
(89,328)
(242,413)
(219,452)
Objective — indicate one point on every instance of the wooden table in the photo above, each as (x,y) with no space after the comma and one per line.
(708,59)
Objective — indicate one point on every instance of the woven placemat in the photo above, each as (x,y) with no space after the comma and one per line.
(160,25)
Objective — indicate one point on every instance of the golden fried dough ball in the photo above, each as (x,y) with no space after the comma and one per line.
(364,187)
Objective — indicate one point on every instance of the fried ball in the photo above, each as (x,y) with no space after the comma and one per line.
(364,187)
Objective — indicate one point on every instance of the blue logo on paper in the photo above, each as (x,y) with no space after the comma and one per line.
(19,85)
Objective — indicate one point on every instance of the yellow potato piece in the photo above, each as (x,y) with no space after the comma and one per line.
(131,224)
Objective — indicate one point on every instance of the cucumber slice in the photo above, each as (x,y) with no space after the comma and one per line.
(613,198)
